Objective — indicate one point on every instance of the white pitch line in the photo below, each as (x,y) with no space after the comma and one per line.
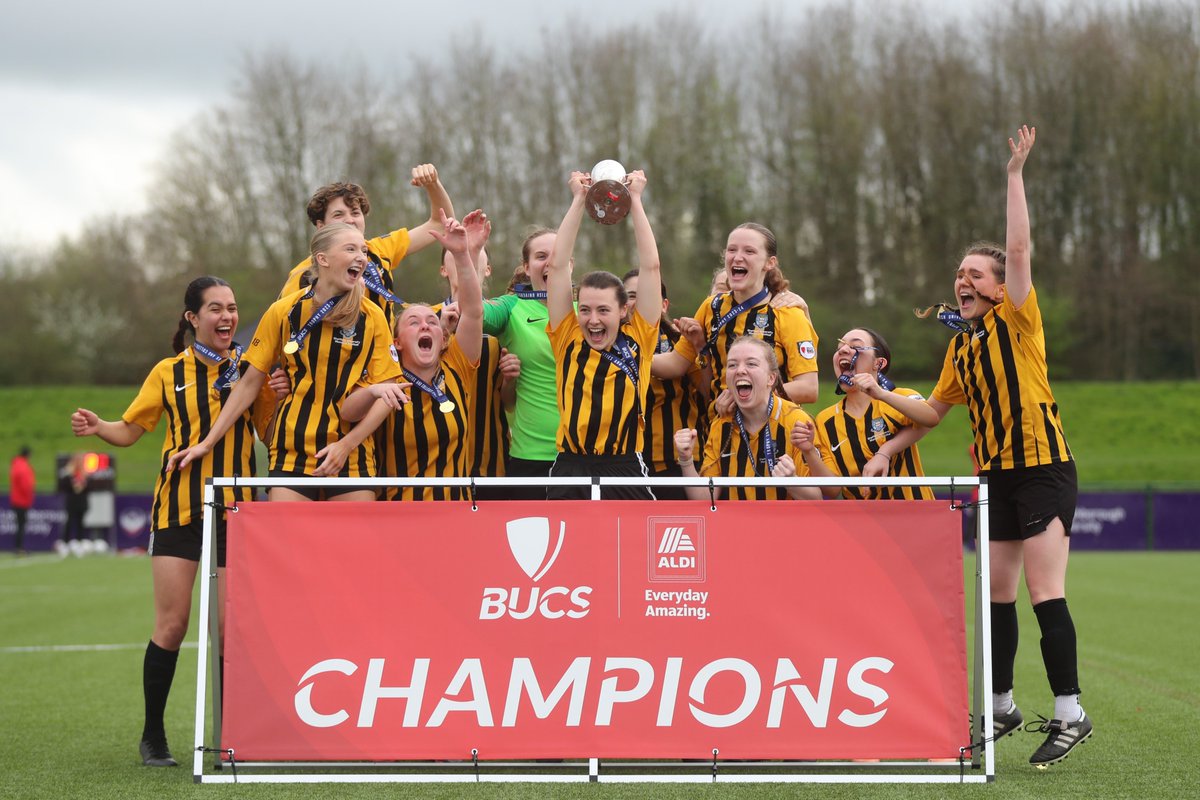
(80,648)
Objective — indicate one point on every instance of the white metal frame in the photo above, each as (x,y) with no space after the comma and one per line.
(981,762)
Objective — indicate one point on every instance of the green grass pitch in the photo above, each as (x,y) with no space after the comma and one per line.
(70,718)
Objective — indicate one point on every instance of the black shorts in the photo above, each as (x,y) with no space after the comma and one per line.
(186,541)
(669,492)
(1022,502)
(573,465)
(526,468)
(323,493)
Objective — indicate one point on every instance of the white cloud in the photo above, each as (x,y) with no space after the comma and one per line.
(70,154)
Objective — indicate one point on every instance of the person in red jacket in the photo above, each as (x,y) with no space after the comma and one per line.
(20,494)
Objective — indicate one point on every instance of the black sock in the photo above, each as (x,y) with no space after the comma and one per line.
(1058,645)
(158,671)
(1004,645)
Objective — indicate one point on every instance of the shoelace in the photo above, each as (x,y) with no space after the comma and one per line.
(1043,725)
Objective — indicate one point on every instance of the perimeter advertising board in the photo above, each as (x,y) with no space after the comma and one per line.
(386,631)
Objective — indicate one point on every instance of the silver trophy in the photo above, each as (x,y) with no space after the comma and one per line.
(608,200)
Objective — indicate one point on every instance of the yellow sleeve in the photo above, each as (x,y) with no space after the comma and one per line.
(799,340)
(562,336)
(292,284)
(1028,318)
(391,248)
(704,316)
(267,343)
(384,365)
(948,389)
(147,408)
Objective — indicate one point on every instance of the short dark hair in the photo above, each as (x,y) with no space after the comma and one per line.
(351,193)
(605,280)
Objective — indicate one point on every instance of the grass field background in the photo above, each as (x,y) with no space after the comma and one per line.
(1123,435)
(70,719)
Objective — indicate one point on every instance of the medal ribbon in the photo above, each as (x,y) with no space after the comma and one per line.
(430,389)
(623,358)
(226,376)
(527,292)
(951,319)
(299,336)
(768,442)
(884,381)
(374,281)
(738,308)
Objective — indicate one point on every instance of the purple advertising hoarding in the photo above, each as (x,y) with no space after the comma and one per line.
(43,526)
(1175,521)
(1103,521)
(45,522)
(1109,521)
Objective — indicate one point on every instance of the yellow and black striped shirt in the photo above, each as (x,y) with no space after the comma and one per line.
(421,441)
(599,407)
(725,454)
(489,423)
(788,330)
(385,252)
(999,372)
(181,387)
(322,373)
(670,405)
(846,444)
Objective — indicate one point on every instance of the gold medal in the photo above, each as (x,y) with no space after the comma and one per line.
(291,347)
(446,406)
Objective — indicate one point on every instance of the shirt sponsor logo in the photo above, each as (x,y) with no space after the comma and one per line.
(806,348)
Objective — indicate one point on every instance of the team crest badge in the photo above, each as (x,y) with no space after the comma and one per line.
(806,349)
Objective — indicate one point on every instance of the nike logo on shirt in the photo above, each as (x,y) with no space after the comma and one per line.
(186,385)
(531,320)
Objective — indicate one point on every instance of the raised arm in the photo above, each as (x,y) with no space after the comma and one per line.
(461,240)
(1018,280)
(426,177)
(649,296)
(559,302)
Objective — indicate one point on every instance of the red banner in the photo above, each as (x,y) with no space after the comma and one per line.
(781,630)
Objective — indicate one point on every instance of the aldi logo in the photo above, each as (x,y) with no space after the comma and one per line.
(676,549)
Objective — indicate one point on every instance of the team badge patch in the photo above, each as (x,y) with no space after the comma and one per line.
(806,349)
(878,425)
(395,355)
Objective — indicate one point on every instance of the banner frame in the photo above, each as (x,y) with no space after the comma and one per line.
(981,760)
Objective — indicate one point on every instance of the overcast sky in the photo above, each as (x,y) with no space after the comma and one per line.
(92,89)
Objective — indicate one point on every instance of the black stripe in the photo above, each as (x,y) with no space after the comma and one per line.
(1051,433)
(1012,380)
